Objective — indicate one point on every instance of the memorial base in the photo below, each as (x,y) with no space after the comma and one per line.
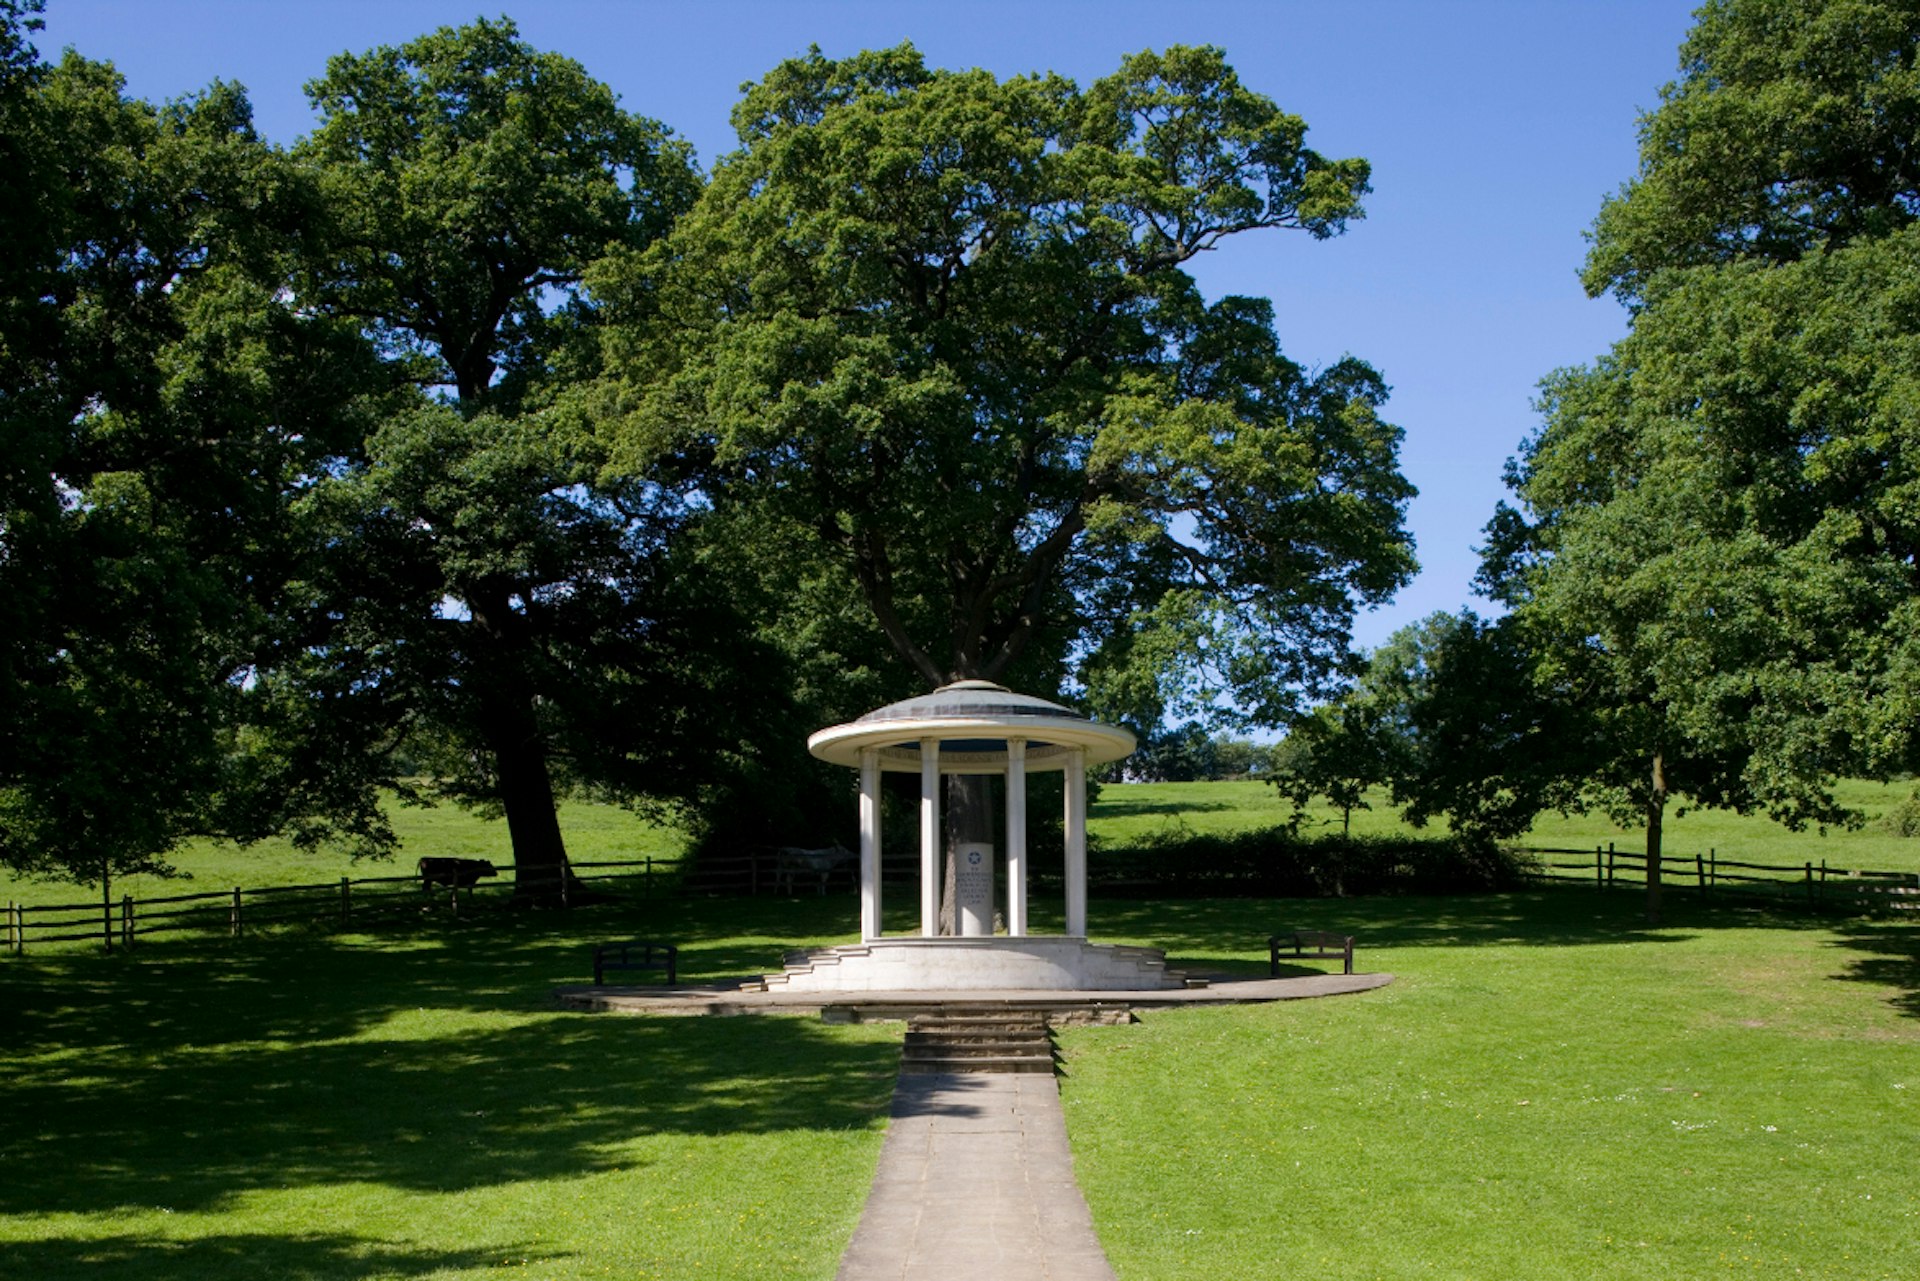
(1030,963)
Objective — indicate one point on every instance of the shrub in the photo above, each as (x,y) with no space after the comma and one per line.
(1277,862)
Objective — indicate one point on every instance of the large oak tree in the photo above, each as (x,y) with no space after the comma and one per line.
(937,326)
(937,323)
(494,598)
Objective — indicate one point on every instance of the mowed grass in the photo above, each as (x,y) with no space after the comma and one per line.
(1547,1090)
(594,832)
(412,1104)
(1130,812)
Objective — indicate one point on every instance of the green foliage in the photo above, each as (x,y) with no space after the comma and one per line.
(1279,862)
(164,402)
(1713,573)
(523,625)
(935,326)
(1789,131)
(1739,529)
(1903,820)
(470,181)
(1187,753)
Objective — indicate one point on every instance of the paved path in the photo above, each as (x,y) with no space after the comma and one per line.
(975,1181)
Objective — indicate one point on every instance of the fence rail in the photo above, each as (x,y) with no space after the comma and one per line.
(771,871)
(1814,884)
(234,910)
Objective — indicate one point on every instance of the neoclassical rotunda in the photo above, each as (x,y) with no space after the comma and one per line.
(974,727)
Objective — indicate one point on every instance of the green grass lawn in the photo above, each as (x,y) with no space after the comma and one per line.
(1547,1090)
(594,832)
(411,1104)
(1129,812)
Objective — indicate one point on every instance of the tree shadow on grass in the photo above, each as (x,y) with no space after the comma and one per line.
(285,1258)
(1232,933)
(1110,809)
(198,1070)
(306,985)
(555,1097)
(1890,958)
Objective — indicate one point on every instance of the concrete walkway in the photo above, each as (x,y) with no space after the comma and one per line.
(975,1181)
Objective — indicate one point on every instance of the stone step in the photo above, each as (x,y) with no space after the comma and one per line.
(922,1035)
(922,1053)
(933,1067)
(971,1038)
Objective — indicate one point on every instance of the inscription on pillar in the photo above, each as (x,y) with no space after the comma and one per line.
(973,888)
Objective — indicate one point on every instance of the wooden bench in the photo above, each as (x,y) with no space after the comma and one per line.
(1315,945)
(635,954)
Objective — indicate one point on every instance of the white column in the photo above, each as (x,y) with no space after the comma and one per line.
(869,844)
(929,837)
(1016,837)
(1077,843)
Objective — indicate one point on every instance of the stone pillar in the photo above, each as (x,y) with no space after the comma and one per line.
(1076,790)
(870,844)
(1016,837)
(929,837)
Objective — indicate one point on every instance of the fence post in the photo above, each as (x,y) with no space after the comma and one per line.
(233,915)
(1823,880)
(12,938)
(126,921)
(346,900)
(1713,868)
(1609,864)
(1700,870)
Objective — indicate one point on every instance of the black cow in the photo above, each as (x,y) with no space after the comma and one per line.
(455,873)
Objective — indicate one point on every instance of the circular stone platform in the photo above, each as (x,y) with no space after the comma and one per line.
(1060,1006)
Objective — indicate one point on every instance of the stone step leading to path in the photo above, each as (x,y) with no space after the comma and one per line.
(976,1041)
(975,1183)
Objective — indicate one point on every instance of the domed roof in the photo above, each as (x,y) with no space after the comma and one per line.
(967,698)
(972,720)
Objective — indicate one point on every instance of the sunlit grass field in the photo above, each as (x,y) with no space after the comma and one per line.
(1121,815)
(1131,812)
(1548,1089)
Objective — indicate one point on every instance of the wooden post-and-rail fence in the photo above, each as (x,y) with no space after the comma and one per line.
(234,911)
(1815,884)
(755,871)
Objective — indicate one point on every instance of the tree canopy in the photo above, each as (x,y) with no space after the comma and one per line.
(1714,561)
(937,325)
(1789,130)
(164,403)
(493,598)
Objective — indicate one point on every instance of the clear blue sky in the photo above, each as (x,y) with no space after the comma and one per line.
(1494,128)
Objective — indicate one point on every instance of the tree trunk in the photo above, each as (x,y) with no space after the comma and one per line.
(511,730)
(540,864)
(1656,810)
